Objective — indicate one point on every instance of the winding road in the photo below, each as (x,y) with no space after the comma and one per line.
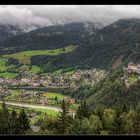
(35,106)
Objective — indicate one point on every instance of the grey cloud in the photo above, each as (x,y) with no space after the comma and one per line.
(44,15)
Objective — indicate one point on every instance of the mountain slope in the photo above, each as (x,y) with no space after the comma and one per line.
(118,41)
(52,37)
(112,93)
(7,31)
(105,48)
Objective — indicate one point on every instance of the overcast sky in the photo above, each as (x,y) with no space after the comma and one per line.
(44,15)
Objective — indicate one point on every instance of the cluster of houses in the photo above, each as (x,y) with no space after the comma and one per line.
(37,96)
(49,81)
(52,81)
(20,82)
(131,68)
(4,92)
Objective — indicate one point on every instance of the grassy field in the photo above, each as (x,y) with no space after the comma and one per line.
(56,72)
(24,68)
(44,112)
(24,56)
(3,62)
(3,66)
(8,75)
(74,106)
(66,72)
(132,79)
(35,69)
(47,111)
(53,95)
(69,72)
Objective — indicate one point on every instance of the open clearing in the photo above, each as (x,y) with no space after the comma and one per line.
(66,72)
(3,66)
(132,78)
(8,75)
(35,69)
(24,56)
(53,95)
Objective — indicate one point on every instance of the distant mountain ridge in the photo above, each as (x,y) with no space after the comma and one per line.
(97,47)
(51,37)
(7,31)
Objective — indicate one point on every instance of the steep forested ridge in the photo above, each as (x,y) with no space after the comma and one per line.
(101,49)
(51,37)
(111,92)
(98,48)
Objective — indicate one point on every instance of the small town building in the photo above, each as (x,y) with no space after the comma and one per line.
(32,115)
(35,128)
(133,68)
(71,100)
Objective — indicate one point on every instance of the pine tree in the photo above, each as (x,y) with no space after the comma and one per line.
(4,120)
(118,122)
(108,120)
(137,120)
(13,122)
(63,117)
(83,111)
(130,122)
(23,122)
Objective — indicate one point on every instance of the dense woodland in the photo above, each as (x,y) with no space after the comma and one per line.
(12,122)
(97,122)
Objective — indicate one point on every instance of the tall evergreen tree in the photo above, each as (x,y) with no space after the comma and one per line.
(63,117)
(119,122)
(83,111)
(137,120)
(13,122)
(23,122)
(130,122)
(4,121)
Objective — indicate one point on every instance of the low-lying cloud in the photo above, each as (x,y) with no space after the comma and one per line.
(44,15)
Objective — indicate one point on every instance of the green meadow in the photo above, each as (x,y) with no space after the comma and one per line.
(132,78)
(4,66)
(66,72)
(8,75)
(53,95)
(24,56)
(35,69)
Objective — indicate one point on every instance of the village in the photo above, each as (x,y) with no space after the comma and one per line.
(50,81)
(131,74)
(30,88)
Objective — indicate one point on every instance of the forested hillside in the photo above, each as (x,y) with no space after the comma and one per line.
(104,48)
(111,92)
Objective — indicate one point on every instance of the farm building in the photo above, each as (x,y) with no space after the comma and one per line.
(32,115)
(71,100)
(35,128)
(133,68)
